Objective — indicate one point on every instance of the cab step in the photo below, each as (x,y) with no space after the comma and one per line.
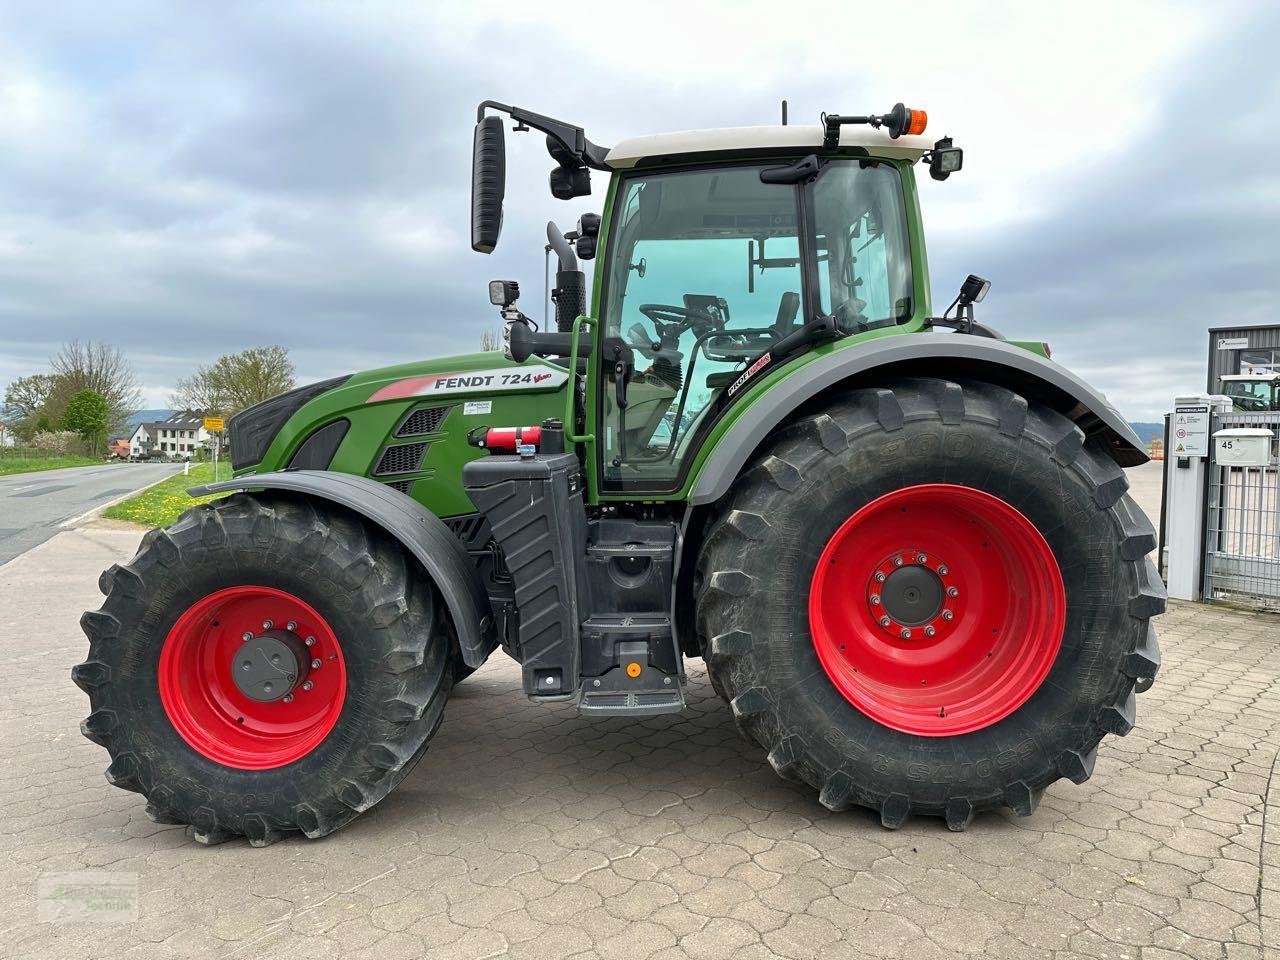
(637,673)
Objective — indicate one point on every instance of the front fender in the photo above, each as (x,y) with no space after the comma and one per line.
(419,530)
(935,355)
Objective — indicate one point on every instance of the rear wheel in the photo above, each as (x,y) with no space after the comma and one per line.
(932,598)
(265,665)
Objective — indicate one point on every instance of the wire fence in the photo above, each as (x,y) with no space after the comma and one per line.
(1242,523)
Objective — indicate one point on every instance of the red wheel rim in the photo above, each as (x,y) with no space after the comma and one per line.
(210,711)
(937,609)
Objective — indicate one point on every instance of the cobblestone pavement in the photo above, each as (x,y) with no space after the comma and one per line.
(529,832)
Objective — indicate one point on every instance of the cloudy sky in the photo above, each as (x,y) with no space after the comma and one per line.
(189,179)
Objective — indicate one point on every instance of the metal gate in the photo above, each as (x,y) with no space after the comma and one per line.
(1242,522)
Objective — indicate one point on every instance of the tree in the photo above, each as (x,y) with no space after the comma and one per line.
(490,341)
(25,400)
(95,366)
(86,414)
(236,381)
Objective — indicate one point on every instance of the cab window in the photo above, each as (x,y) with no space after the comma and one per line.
(705,275)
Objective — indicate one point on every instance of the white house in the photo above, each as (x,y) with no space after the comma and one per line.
(181,436)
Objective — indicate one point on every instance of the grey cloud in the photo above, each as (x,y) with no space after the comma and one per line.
(240,174)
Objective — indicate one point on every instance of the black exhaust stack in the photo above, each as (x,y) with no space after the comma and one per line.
(570,293)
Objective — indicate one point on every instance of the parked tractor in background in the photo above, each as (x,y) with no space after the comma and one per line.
(1252,392)
(901,544)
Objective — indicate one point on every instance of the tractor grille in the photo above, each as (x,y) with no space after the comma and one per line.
(405,458)
(404,486)
(422,420)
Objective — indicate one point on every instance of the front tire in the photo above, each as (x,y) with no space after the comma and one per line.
(1033,655)
(182,731)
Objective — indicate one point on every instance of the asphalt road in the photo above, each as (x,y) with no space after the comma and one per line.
(32,505)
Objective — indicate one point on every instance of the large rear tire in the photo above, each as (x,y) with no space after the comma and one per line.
(930,598)
(280,578)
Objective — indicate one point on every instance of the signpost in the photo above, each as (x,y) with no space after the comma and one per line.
(215,425)
(1190,430)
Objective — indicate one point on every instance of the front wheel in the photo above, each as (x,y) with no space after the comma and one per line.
(263,666)
(930,598)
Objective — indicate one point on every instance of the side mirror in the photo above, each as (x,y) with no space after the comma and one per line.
(488,183)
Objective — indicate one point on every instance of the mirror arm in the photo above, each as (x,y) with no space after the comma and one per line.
(572,138)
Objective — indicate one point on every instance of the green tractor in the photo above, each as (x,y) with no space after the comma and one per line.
(901,544)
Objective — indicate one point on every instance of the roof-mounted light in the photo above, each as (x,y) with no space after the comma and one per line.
(901,119)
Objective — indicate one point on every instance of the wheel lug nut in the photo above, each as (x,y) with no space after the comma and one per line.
(291,626)
(266,624)
(247,636)
(307,684)
(315,664)
(875,598)
(943,570)
(947,615)
(921,558)
(879,577)
(884,621)
(929,631)
(311,641)
(897,561)
(287,698)
(952,592)
(904,633)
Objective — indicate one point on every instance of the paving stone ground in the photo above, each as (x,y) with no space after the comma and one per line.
(530,832)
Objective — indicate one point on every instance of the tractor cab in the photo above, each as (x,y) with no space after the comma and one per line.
(722,255)
(1252,392)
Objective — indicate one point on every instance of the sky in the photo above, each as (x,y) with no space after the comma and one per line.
(186,180)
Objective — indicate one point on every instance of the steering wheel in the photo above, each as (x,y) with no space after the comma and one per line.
(662,313)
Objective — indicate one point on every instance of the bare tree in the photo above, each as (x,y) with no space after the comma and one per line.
(489,340)
(96,366)
(236,381)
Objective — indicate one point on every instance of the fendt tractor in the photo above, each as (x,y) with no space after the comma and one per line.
(901,543)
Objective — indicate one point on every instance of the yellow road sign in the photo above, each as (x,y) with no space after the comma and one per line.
(214,424)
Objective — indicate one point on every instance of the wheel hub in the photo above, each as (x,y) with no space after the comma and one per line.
(269,666)
(913,595)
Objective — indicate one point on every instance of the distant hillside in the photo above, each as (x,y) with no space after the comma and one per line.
(1146,431)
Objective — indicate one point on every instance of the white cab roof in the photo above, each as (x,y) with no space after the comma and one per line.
(796,136)
(1251,377)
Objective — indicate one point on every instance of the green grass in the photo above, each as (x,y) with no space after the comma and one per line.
(162,504)
(10,465)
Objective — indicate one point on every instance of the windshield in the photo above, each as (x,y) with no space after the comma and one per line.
(1251,394)
(706,274)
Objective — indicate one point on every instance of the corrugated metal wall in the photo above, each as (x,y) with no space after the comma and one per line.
(1265,339)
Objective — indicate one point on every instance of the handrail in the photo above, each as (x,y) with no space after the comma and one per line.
(570,402)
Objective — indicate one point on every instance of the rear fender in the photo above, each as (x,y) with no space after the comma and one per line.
(417,529)
(949,357)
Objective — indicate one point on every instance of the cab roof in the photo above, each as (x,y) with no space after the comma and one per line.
(792,138)
(1250,377)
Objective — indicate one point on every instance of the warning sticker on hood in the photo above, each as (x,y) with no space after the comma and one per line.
(536,377)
